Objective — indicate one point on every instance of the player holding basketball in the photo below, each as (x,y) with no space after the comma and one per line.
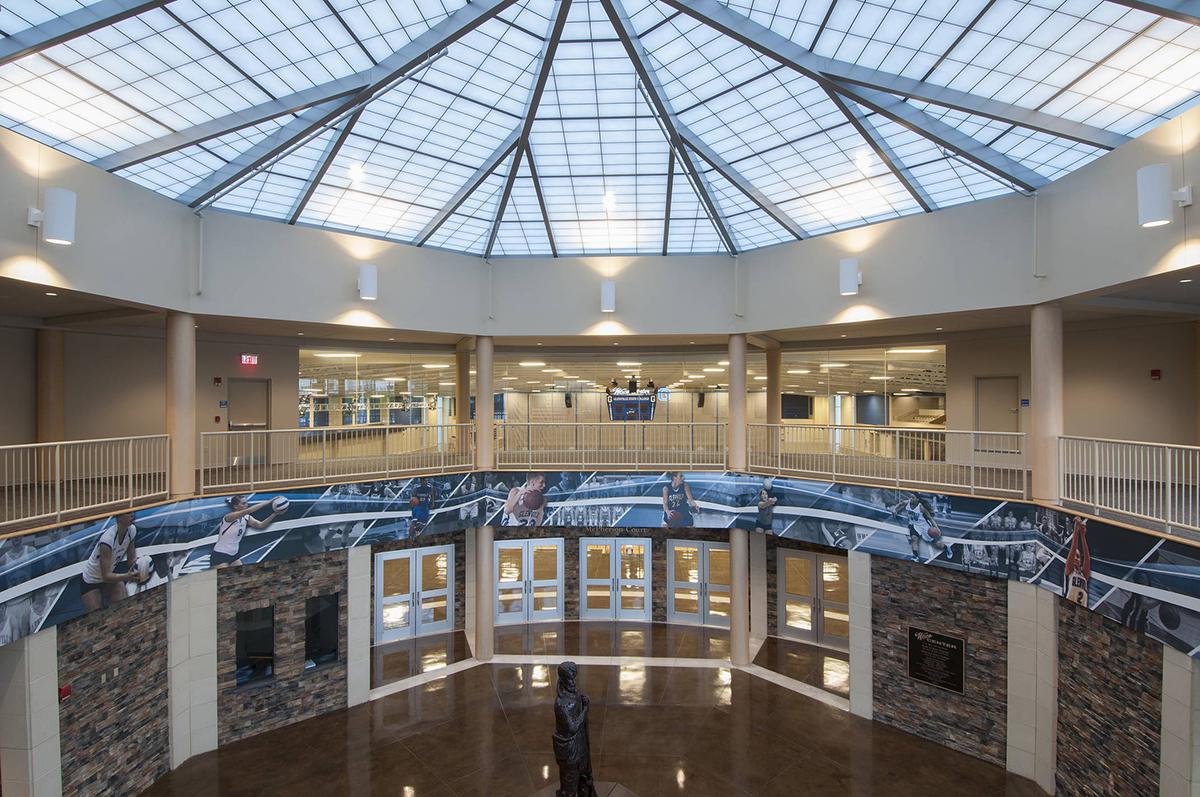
(98,579)
(1078,569)
(678,503)
(227,550)
(766,507)
(919,517)
(525,505)
(422,506)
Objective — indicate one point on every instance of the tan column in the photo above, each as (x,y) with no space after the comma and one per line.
(462,386)
(774,386)
(181,401)
(51,385)
(484,416)
(1046,398)
(485,591)
(737,402)
(739,596)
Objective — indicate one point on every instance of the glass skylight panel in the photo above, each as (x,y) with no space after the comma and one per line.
(28,13)
(951,181)
(468,228)
(1048,155)
(385,26)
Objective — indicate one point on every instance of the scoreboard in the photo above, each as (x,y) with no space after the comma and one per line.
(632,406)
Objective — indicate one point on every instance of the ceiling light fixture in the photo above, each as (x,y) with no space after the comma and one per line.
(608,296)
(911,351)
(368,282)
(799,372)
(57,221)
(434,365)
(1155,197)
(532,365)
(834,365)
(849,277)
(628,363)
(334,354)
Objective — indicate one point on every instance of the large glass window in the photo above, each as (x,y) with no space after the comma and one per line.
(321,630)
(356,388)
(255,645)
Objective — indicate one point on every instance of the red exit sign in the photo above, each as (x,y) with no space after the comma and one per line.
(249,359)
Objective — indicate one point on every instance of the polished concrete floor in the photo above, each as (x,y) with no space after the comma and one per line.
(658,730)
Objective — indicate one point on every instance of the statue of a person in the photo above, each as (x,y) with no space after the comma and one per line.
(572,749)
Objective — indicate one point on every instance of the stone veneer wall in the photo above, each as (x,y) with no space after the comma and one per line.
(456,538)
(1109,706)
(971,607)
(115,728)
(293,694)
(658,557)
(773,546)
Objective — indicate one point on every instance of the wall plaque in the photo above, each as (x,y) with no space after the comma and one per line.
(936,659)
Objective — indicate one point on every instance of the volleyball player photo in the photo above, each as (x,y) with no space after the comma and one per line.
(526,505)
(678,503)
(100,579)
(1078,569)
(228,548)
(921,526)
(766,507)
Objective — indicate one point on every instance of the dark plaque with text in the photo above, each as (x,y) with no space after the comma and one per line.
(936,659)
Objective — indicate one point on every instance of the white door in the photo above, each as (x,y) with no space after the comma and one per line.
(698,582)
(615,574)
(529,580)
(814,598)
(414,592)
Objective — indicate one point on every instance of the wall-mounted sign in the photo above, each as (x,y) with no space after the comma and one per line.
(224,404)
(936,659)
(249,359)
(1024,402)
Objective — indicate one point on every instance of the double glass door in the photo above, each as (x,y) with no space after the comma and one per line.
(698,582)
(615,573)
(414,592)
(814,598)
(529,580)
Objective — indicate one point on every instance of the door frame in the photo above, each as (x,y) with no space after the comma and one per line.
(616,583)
(703,616)
(817,636)
(414,556)
(528,583)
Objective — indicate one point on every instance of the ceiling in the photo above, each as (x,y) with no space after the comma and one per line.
(585,127)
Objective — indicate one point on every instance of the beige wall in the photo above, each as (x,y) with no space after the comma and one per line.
(18,399)
(115,386)
(1106,372)
(280,364)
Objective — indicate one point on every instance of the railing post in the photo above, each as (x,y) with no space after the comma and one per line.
(324,455)
(131,471)
(896,445)
(1062,479)
(1096,476)
(58,482)
(971,439)
(833,452)
(251,461)
(1167,494)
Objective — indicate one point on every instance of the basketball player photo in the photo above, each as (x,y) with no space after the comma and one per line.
(228,548)
(921,526)
(422,505)
(1078,569)
(678,503)
(99,579)
(526,506)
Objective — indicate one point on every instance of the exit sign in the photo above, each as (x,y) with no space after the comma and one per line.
(249,359)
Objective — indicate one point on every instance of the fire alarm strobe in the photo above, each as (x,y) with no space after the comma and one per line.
(1155,374)
(216,381)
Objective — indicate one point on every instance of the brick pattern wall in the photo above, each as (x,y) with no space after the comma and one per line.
(456,538)
(974,608)
(773,579)
(658,556)
(1109,706)
(293,694)
(115,730)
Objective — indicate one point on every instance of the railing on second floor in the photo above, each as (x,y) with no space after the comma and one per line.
(1146,481)
(991,463)
(274,457)
(624,444)
(52,482)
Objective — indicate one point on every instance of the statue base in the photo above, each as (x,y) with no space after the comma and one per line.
(602,790)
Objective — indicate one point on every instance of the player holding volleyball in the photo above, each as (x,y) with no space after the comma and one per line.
(678,503)
(99,579)
(228,548)
(921,526)
(525,505)
(1078,569)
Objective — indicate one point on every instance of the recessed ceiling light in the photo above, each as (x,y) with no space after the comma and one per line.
(723,362)
(630,363)
(445,383)
(394,379)
(533,382)
(878,378)
(507,378)
(911,351)
(1185,280)
(537,391)
(834,365)
(299,333)
(843,336)
(810,391)
(334,354)
(551,370)
(760,378)
(697,376)
(433,365)
(937,329)
(799,372)
(714,370)
(539,344)
(471,372)
(391,338)
(843,392)
(868,391)
(532,364)
(48,293)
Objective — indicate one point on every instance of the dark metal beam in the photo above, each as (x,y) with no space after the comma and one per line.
(823,70)
(546,63)
(667,208)
(883,151)
(408,58)
(1181,10)
(72,25)
(487,167)
(666,116)
(335,146)
(537,187)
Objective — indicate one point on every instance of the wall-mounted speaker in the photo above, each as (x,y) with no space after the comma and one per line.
(699,399)
(567,396)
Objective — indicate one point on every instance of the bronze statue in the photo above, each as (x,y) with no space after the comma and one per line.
(572,749)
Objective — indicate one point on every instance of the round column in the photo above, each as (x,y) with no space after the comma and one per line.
(485,421)
(739,597)
(1046,398)
(462,394)
(51,385)
(737,402)
(774,386)
(181,402)
(485,591)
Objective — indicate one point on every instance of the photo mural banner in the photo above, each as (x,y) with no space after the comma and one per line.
(1143,581)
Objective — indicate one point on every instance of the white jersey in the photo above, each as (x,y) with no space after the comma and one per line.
(1077,588)
(120,552)
(523,517)
(916,519)
(229,536)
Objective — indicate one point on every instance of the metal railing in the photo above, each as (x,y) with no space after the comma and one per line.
(1148,481)
(991,463)
(623,444)
(56,481)
(273,457)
